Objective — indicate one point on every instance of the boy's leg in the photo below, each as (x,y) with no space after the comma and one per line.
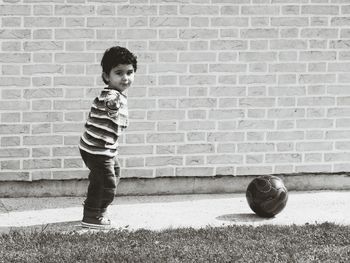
(110,185)
(102,185)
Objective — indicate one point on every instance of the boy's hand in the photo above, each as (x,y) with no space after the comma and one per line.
(113,101)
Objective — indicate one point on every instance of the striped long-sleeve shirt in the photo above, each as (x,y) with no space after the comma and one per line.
(108,117)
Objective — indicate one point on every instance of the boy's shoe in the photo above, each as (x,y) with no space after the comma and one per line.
(96,222)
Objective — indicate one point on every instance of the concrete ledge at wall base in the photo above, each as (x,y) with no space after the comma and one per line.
(172,185)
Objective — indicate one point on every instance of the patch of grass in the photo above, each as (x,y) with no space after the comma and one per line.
(309,243)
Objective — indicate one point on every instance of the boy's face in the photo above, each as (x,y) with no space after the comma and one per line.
(121,77)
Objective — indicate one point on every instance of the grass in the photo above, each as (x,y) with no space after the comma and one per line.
(308,243)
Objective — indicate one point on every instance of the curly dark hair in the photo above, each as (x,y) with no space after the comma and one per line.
(115,56)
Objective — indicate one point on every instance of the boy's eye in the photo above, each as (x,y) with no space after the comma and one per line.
(130,72)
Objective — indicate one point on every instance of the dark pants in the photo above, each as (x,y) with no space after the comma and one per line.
(103,180)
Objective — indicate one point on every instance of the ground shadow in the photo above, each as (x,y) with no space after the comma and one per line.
(242,217)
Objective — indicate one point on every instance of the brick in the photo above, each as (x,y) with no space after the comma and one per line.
(43,22)
(64,10)
(197,103)
(11,94)
(169,21)
(229,22)
(40,140)
(286,113)
(254,158)
(337,157)
(285,136)
(316,78)
(338,112)
(41,105)
(137,173)
(194,160)
(14,129)
(15,34)
(10,141)
(224,159)
(166,115)
(14,153)
(318,55)
(314,146)
(196,136)
(259,33)
(257,79)
(231,68)
(255,124)
(74,33)
(68,127)
(256,102)
(18,10)
(227,91)
(135,162)
(319,33)
(194,171)
(290,21)
(14,57)
(10,165)
(319,10)
(257,56)
(43,10)
(41,128)
(41,163)
(106,22)
(333,44)
(164,161)
(65,151)
(196,125)
(225,136)
(228,45)
(288,44)
(226,114)
(260,10)
(41,152)
(72,163)
(42,116)
(42,69)
(283,158)
(195,148)
(71,139)
(136,10)
(197,80)
(10,117)
(198,34)
(74,81)
(74,57)
(42,34)
(337,135)
(165,149)
(167,45)
(165,137)
(255,147)
(14,176)
(167,68)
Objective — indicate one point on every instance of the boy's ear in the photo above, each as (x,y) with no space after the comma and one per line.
(105,76)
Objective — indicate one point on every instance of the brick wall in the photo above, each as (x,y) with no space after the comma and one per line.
(224,87)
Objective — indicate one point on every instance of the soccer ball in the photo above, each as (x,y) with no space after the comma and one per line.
(267,195)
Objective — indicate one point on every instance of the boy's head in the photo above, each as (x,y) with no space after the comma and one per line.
(118,67)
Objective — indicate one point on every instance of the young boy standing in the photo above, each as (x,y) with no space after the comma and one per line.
(108,117)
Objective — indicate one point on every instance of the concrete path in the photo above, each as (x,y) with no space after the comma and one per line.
(161,212)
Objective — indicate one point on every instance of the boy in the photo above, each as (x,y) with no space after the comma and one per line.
(98,145)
